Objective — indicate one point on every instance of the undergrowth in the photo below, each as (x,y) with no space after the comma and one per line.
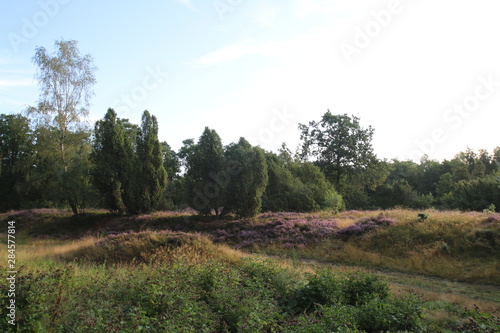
(252,296)
(128,275)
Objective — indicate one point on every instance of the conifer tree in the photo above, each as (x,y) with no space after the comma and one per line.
(109,157)
(246,187)
(152,176)
(205,173)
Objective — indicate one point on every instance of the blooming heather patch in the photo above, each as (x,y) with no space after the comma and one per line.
(493,219)
(289,229)
(364,225)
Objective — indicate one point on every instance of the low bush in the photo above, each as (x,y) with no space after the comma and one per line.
(365,225)
(328,288)
(404,314)
(252,296)
(478,321)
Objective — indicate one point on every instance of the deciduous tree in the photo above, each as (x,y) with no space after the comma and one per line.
(343,150)
(66,80)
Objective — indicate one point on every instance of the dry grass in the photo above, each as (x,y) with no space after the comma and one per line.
(146,247)
(34,249)
(450,244)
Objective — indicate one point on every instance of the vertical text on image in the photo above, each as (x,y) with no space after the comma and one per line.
(11,273)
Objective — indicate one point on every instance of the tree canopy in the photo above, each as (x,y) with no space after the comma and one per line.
(343,150)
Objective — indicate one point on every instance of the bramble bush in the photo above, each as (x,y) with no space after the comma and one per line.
(480,322)
(353,301)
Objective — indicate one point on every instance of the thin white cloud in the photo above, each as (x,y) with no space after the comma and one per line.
(304,8)
(277,49)
(16,83)
(264,15)
(11,101)
(15,71)
(228,53)
(186,3)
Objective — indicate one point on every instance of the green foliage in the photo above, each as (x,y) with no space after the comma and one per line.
(327,288)
(423,216)
(343,151)
(339,144)
(65,180)
(491,209)
(207,297)
(206,175)
(152,177)
(65,80)
(337,318)
(16,151)
(401,194)
(244,189)
(355,301)
(478,321)
(242,303)
(320,190)
(112,153)
(466,182)
(477,194)
(40,299)
(359,288)
(78,187)
(130,175)
(298,186)
(172,165)
(403,314)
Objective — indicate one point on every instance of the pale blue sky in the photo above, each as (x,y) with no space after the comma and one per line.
(425,75)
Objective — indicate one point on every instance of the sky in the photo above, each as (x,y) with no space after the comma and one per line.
(424,74)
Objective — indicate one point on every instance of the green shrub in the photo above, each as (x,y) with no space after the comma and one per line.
(327,288)
(253,295)
(242,304)
(359,288)
(423,216)
(391,315)
(323,288)
(40,299)
(337,318)
(478,321)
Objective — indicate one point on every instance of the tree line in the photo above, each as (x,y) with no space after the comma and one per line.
(50,157)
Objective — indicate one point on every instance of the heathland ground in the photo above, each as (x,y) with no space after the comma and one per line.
(354,271)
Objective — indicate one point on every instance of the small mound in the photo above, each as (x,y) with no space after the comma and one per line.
(365,225)
(151,247)
(492,219)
